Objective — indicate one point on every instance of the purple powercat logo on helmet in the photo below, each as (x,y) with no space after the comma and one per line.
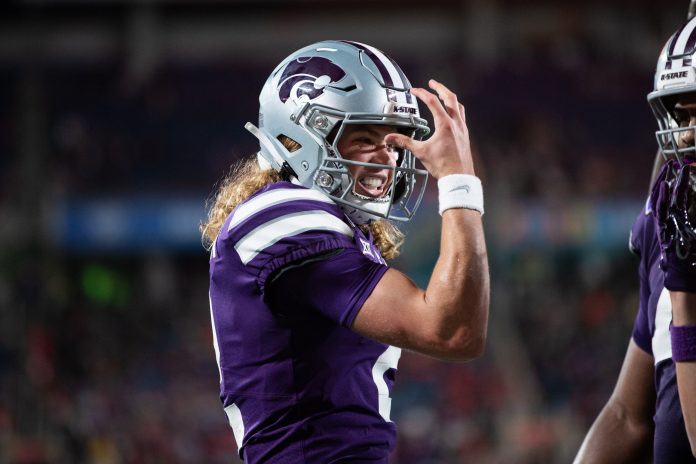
(308,76)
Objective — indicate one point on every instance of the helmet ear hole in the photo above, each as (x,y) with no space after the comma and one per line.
(290,145)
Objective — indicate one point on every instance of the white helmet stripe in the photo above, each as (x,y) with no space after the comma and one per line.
(394,73)
(673,41)
(682,40)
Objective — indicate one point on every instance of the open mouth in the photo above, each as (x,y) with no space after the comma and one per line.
(372,185)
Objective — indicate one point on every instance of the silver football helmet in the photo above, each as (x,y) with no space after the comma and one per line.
(675,75)
(312,96)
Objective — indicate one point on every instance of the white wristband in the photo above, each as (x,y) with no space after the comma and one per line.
(460,191)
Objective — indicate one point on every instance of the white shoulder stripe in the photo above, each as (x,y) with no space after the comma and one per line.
(286,226)
(274,197)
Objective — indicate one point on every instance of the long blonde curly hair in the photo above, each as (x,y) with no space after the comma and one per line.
(246,177)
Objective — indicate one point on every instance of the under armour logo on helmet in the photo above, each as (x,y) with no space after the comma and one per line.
(308,76)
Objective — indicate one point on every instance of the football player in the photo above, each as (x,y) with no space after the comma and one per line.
(653,405)
(308,319)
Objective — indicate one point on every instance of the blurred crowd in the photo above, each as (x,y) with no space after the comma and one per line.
(108,359)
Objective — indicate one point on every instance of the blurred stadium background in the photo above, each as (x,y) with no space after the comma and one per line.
(118,117)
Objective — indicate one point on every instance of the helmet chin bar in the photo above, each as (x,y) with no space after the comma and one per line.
(382,199)
(668,141)
(669,132)
(363,210)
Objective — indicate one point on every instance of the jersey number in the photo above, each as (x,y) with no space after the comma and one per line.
(387,360)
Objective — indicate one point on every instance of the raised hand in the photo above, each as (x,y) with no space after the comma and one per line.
(672,198)
(448,150)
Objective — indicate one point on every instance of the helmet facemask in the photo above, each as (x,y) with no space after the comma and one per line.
(668,137)
(675,86)
(407,182)
(671,131)
(313,96)
(675,79)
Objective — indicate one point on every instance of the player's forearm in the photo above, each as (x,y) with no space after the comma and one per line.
(684,313)
(458,291)
(616,438)
(683,308)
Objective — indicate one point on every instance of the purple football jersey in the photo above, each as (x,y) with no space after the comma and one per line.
(651,333)
(288,275)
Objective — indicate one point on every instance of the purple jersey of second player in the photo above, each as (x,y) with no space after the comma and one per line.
(296,383)
(651,333)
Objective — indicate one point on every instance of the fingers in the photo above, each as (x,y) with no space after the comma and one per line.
(448,98)
(444,105)
(660,195)
(462,112)
(662,203)
(447,151)
(681,186)
(433,104)
(402,141)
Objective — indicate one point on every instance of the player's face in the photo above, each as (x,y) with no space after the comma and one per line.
(365,143)
(685,115)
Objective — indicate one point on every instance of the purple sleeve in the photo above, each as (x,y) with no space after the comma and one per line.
(635,236)
(335,285)
(641,329)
